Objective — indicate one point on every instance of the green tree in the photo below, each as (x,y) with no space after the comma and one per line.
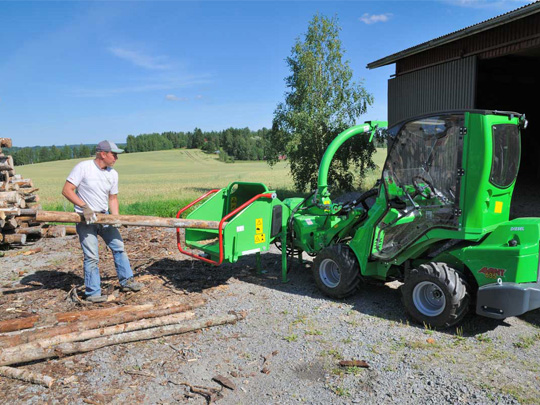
(321,101)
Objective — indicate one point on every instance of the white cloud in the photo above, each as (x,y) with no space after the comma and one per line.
(375,18)
(172,97)
(140,59)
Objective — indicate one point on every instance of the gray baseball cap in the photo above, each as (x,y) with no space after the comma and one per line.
(108,146)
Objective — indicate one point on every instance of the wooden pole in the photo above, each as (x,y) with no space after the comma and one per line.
(27,376)
(41,349)
(93,344)
(127,220)
(32,230)
(129,316)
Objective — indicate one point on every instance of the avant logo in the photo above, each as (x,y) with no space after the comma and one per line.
(491,272)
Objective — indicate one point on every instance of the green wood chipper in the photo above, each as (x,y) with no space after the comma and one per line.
(438,221)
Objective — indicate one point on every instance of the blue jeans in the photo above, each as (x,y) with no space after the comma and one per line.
(89,243)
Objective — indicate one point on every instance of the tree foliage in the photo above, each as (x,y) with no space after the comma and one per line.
(321,101)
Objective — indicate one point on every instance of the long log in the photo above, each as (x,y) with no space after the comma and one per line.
(28,212)
(27,376)
(127,220)
(11,325)
(38,334)
(41,349)
(5,143)
(93,344)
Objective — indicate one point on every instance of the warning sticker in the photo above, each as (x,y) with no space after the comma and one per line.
(258,225)
(260,238)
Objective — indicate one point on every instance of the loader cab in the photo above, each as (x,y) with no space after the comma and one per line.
(421,181)
(453,171)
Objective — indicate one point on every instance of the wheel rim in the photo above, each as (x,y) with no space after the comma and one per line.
(429,299)
(329,273)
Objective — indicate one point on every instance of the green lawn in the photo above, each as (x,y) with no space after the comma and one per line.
(158,183)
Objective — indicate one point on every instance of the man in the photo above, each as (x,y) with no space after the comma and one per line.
(92,186)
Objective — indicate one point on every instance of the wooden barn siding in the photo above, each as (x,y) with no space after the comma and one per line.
(499,41)
(446,86)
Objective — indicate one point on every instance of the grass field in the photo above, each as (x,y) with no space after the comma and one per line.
(159,183)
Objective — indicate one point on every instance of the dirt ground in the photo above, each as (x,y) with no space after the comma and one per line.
(287,350)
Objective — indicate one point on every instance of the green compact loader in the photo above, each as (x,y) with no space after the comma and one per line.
(438,221)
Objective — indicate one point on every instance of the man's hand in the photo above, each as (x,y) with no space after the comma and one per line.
(89,215)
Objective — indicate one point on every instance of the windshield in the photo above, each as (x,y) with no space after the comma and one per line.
(422,181)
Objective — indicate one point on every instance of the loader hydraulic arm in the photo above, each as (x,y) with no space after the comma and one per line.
(369,127)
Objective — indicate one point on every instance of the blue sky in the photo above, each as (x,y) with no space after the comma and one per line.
(78,72)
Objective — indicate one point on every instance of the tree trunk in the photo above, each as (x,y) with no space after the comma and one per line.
(93,344)
(128,220)
(41,349)
(27,376)
(19,323)
(37,334)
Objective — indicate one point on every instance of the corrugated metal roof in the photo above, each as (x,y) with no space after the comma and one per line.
(513,15)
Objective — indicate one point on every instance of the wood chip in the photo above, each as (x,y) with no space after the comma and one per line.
(224,381)
(354,363)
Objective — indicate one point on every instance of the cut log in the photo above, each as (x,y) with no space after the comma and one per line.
(93,344)
(10,211)
(31,198)
(5,143)
(6,163)
(23,183)
(2,223)
(27,376)
(71,230)
(27,191)
(41,349)
(33,230)
(11,223)
(127,220)
(37,334)
(3,204)
(14,238)
(55,232)
(11,197)
(29,212)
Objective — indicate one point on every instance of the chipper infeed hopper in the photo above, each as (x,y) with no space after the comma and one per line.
(250,218)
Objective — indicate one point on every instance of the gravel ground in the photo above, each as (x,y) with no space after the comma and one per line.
(286,351)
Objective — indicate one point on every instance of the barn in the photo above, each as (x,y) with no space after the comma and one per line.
(492,65)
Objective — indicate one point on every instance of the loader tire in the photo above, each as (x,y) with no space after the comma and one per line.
(435,294)
(336,271)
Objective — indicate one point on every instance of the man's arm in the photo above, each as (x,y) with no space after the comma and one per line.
(113,204)
(69,192)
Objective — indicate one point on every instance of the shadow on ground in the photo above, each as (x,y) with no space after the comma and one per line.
(382,301)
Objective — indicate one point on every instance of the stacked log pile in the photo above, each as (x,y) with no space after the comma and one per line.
(16,196)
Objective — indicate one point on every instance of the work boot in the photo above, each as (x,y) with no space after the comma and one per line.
(131,285)
(94,299)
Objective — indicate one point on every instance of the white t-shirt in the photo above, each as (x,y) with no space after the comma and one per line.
(94,185)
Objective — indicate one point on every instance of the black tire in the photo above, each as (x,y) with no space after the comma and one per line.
(336,271)
(435,294)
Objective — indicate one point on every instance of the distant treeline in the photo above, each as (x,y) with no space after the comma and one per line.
(231,144)
(39,154)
